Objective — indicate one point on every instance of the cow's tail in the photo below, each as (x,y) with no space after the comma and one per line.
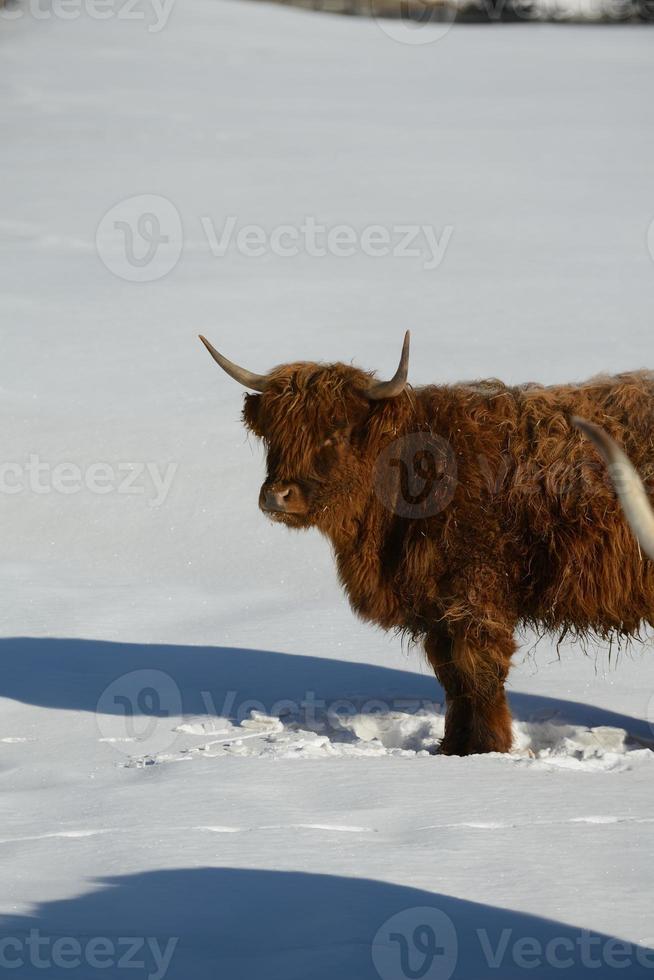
(627,483)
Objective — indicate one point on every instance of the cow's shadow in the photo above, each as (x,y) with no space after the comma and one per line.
(239,924)
(74,674)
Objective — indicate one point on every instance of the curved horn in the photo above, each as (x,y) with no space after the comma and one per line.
(627,483)
(397,384)
(257,382)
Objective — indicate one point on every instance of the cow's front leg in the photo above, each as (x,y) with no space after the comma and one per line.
(472,665)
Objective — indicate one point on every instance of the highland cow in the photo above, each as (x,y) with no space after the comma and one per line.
(460,513)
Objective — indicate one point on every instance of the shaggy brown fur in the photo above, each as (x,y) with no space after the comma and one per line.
(533,534)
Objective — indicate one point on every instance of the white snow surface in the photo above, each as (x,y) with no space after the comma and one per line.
(277,800)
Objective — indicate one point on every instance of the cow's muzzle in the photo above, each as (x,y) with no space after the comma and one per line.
(282,498)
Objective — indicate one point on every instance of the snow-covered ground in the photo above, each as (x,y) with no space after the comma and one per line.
(272,808)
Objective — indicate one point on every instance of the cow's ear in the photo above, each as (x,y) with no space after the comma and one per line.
(251,412)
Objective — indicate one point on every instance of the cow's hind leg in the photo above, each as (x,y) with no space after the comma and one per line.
(472,666)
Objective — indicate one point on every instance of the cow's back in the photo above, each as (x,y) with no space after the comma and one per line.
(583,567)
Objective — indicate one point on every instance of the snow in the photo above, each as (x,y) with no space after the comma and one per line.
(273,805)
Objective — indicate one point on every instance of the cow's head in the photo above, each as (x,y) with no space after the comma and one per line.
(314,421)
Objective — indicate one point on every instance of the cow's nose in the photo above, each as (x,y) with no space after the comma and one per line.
(280,497)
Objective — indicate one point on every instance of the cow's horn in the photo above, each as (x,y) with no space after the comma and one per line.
(257,382)
(397,384)
(627,483)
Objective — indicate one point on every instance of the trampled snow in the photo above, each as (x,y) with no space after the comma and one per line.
(274,806)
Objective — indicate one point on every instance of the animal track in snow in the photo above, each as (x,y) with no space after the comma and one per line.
(391,733)
(58,835)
